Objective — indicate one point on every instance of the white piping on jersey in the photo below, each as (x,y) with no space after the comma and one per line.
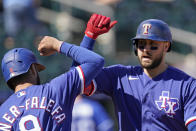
(81,78)
(188,121)
(95,86)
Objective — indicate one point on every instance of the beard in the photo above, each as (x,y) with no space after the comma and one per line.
(153,64)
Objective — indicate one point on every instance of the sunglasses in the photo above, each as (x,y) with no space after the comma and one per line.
(141,47)
(141,44)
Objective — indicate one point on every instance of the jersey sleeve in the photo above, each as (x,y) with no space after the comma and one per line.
(87,43)
(90,62)
(190,104)
(67,86)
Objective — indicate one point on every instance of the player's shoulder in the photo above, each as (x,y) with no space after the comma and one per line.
(11,100)
(177,73)
(74,71)
(125,67)
(122,70)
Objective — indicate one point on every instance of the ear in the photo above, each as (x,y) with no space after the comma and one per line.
(166,46)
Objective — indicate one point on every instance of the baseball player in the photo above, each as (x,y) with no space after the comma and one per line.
(89,115)
(152,96)
(48,107)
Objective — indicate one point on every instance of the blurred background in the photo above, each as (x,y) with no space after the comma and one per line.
(23,22)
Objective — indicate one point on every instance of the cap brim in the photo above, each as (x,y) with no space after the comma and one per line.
(40,67)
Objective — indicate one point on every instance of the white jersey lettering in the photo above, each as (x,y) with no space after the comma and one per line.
(15,111)
(34,103)
(5,127)
(8,118)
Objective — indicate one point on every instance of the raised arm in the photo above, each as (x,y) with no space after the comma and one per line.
(97,25)
(90,62)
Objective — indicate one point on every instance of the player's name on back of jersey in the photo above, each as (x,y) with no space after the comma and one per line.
(34,103)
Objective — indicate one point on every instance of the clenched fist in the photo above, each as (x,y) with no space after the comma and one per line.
(97,25)
(49,45)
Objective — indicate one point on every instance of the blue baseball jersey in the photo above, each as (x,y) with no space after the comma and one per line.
(89,115)
(45,107)
(165,102)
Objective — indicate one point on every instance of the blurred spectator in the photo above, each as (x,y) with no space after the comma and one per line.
(89,115)
(19,15)
(188,64)
(108,2)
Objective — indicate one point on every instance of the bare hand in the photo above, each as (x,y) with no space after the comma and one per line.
(49,45)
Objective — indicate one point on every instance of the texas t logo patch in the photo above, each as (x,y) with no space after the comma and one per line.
(146,28)
(168,104)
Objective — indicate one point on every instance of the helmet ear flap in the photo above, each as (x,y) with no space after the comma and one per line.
(135,50)
(135,46)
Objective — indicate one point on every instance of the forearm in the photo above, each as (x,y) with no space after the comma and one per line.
(87,43)
(90,62)
(79,54)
